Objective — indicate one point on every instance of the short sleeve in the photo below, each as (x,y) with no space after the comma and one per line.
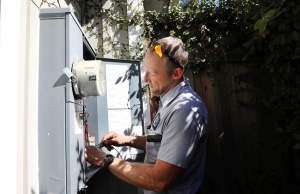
(181,135)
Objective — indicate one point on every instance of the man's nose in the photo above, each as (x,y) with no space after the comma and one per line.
(146,77)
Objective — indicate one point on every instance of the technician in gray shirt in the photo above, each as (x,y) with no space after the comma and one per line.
(176,164)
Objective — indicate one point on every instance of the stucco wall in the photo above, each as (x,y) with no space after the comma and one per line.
(9,94)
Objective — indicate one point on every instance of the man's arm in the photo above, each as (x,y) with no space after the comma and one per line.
(155,177)
(138,142)
(115,139)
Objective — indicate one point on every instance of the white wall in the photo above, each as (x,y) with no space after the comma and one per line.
(9,62)
(0,20)
(29,51)
(10,84)
(19,54)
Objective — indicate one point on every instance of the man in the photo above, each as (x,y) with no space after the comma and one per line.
(176,163)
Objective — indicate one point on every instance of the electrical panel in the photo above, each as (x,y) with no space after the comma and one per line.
(61,110)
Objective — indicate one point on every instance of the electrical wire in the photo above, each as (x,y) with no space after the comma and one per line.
(99,146)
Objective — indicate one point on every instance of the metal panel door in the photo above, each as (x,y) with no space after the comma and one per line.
(51,106)
(74,127)
(61,136)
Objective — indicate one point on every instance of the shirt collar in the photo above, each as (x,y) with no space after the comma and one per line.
(168,97)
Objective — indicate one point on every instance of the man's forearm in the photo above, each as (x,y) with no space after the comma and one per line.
(138,174)
(156,177)
(138,142)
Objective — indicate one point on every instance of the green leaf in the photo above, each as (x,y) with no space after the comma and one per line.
(252,48)
(269,59)
(247,44)
(288,68)
(276,143)
(257,24)
(297,146)
(296,136)
(186,32)
(281,26)
(282,40)
(275,41)
(245,57)
(270,13)
(262,26)
(289,39)
(296,36)
(291,3)
(172,32)
(296,24)
(286,9)
(295,10)
(296,56)
(272,23)
(297,51)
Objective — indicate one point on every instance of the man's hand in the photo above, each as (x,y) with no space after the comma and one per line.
(95,156)
(115,139)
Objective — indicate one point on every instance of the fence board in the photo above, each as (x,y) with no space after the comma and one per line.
(203,86)
(232,138)
(240,157)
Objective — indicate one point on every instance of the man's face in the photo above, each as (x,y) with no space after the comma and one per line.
(156,74)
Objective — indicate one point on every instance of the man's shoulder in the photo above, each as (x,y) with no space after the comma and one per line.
(189,97)
(188,100)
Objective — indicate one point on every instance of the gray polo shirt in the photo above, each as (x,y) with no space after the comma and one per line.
(182,120)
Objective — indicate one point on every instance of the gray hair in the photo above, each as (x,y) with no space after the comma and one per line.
(175,48)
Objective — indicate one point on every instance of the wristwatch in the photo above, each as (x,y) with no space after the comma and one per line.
(108,159)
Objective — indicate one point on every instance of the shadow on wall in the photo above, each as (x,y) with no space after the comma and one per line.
(133,72)
(82,165)
(133,33)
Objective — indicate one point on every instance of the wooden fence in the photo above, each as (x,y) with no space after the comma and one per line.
(240,157)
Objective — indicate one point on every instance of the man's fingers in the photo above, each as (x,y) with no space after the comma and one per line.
(109,148)
(94,155)
(111,142)
(107,137)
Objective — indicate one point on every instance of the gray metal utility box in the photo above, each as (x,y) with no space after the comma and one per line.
(60,134)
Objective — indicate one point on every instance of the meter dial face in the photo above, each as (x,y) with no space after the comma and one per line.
(90,78)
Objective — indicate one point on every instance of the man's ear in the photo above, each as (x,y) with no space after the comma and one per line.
(178,73)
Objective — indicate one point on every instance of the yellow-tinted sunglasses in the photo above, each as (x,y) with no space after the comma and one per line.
(160,50)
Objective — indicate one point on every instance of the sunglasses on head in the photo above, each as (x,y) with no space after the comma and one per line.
(160,50)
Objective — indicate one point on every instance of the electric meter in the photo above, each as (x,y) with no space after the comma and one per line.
(90,78)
